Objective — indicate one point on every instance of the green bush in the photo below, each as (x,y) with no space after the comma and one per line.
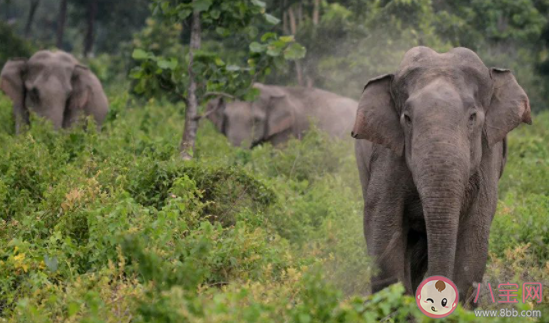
(522,221)
(111,226)
(12,45)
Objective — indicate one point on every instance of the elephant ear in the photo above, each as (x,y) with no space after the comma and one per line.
(81,81)
(11,79)
(376,118)
(214,111)
(509,106)
(280,115)
(11,83)
(81,87)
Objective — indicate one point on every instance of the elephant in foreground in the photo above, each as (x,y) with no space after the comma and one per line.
(280,113)
(54,86)
(431,149)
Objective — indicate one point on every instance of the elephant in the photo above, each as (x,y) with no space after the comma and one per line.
(55,86)
(431,146)
(280,113)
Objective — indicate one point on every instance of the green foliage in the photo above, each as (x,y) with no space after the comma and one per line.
(157,74)
(521,221)
(113,226)
(359,39)
(529,160)
(12,45)
(160,38)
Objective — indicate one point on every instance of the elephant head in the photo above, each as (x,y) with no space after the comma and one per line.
(54,86)
(442,113)
(251,123)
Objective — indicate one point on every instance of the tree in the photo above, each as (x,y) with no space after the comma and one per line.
(191,122)
(91,14)
(32,11)
(204,72)
(16,46)
(61,20)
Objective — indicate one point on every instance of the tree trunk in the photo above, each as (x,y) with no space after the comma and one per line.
(299,73)
(32,11)
(284,18)
(88,40)
(293,24)
(293,29)
(61,23)
(316,19)
(310,82)
(186,148)
(316,12)
(300,12)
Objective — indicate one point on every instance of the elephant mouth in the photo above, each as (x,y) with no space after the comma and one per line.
(433,309)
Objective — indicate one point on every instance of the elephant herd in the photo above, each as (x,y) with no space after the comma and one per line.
(431,146)
(54,85)
(281,113)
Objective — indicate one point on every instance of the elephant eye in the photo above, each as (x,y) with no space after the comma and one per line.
(407,119)
(444,302)
(430,299)
(34,94)
(472,118)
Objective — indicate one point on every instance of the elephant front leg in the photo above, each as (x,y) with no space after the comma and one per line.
(386,242)
(21,115)
(471,256)
(71,116)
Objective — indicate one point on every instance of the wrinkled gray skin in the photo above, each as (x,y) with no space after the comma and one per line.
(280,113)
(54,86)
(434,150)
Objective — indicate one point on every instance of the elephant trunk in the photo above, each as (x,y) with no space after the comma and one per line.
(21,116)
(440,177)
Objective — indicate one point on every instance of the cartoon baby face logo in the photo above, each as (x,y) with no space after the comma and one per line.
(437,296)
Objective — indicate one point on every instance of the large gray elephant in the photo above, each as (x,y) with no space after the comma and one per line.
(280,113)
(434,150)
(54,86)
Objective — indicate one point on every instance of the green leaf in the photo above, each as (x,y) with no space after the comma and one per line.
(268,36)
(183,14)
(215,14)
(259,3)
(222,31)
(233,68)
(256,47)
(294,51)
(139,54)
(287,39)
(203,54)
(167,65)
(271,19)
(252,32)
(219,62)
(202,5)
(274,51)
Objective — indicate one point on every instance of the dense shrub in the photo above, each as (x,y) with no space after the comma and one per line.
(12,45)
(113,227)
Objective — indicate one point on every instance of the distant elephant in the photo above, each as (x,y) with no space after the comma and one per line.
(54,86)
(434,150)
(280,113)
